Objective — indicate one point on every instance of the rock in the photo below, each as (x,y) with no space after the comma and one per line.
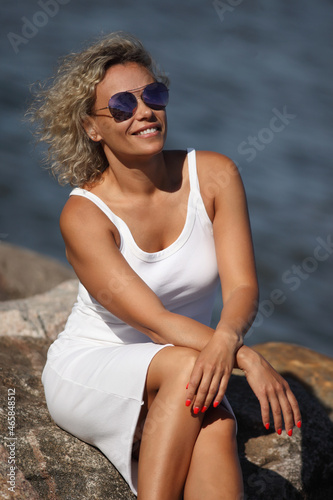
(40,316)
(24,273)
(55,465)
(52,464)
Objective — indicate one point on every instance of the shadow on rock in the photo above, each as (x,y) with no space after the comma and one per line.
(283,467)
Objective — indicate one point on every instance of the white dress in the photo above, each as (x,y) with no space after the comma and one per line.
(96,369)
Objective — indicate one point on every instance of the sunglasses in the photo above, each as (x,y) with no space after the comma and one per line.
(123,105)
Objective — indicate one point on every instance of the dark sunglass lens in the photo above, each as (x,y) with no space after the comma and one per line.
(156,95)
(122,106)
(119,115)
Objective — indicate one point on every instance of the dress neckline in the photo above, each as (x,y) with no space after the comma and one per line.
(126,237)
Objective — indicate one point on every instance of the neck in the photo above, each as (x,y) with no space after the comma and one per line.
(139,175)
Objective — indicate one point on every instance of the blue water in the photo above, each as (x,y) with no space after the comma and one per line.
(250,79)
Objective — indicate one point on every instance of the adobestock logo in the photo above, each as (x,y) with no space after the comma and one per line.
(293,277)
(223,7)
(277,123)
(40,18)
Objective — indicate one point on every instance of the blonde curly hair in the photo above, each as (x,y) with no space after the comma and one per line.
(60,106)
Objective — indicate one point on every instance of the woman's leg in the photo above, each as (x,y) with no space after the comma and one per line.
(176,443)
(170,428)
(215,471)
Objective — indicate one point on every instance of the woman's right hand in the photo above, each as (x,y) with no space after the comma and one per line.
(271,389)
(211,372)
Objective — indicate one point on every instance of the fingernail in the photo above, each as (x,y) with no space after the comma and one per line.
(290,432)
(216,403)
(187,385)
(299,424)
(196,410)
(188,402)
(204,408)
(279,431)
(267,426)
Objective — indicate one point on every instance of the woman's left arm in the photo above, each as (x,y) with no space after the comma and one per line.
(225,200)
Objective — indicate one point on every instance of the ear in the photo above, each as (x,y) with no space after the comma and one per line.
(90,128)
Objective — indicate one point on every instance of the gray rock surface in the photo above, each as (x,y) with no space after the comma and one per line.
(52,464)
(41,316)
(24,273)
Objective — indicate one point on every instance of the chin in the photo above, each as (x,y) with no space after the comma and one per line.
(154,147)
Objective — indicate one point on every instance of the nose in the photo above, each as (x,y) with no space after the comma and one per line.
(143,110)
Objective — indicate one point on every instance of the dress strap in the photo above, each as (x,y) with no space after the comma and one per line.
(192,168)
(196,198)
(97,201)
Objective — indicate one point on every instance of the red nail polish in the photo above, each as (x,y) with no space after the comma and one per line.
(187,385)
(196,410)
(290,432)
(299,424)
(279,431)
(188,402)
(267,426)
(216,403)
(204,408)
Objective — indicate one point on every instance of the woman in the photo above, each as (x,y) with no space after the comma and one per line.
(137,371)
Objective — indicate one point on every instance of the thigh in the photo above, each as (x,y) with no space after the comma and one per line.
(219,421)
(171,366)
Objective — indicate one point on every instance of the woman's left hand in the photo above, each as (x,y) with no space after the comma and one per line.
(211,373)
(271,389)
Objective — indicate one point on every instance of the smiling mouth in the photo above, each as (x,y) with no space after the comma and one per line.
(148,131)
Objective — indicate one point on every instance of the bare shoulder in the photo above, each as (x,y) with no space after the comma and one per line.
(218,176)
(211,163)
(79,211)
(81,220)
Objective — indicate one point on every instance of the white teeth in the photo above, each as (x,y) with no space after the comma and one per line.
(147,131)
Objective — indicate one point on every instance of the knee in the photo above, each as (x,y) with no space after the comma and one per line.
(183,362)
(176,365)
